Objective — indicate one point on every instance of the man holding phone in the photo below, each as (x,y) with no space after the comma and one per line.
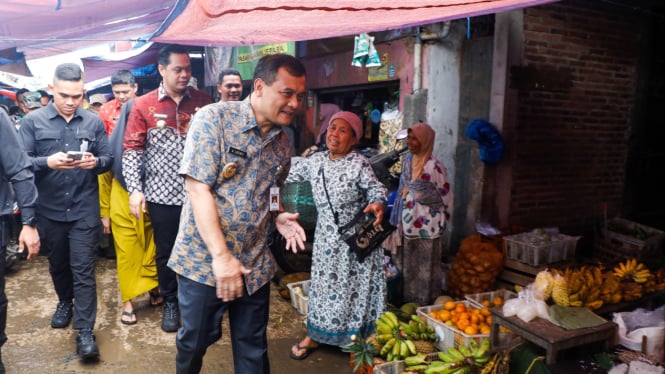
(68,148)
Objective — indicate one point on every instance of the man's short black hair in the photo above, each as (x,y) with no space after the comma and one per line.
(226,72)
(164,54)
(122,77)
(267,67)
(68,72)
(20,93)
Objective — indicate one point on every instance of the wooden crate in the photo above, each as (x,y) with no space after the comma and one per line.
(654,240)
(519,273)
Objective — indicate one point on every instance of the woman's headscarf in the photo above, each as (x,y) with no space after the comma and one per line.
(327,111)
(425,135)
(353,120)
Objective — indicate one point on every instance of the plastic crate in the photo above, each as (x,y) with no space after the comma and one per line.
(448,336)
(477,299)
(298,198)
(397,367)
(539,249)
(299,299)
(653,240)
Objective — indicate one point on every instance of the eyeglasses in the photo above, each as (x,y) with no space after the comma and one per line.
(288,94)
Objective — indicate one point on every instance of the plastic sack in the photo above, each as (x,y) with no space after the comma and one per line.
(526,306)
(638,323)
(511,307)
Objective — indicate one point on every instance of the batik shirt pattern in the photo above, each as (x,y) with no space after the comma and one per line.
(154,139)
(221,134)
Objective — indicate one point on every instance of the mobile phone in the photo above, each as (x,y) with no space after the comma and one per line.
(75,155)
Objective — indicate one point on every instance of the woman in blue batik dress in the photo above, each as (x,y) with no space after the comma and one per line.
(346,295)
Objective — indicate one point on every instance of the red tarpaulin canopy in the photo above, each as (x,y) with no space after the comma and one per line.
(235,23)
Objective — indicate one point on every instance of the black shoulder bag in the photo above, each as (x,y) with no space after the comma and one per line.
(360,234)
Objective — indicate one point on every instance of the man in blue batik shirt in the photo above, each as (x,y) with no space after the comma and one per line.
(236,153)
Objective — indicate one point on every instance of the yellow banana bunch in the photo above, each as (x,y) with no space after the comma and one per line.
(633,270)
(492,364)
(641,275)
(560,291)
(544,283)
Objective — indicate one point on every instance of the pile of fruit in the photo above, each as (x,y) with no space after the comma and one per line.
(466,318)
(462,359)
(594,286)
(477,264)
(396,339)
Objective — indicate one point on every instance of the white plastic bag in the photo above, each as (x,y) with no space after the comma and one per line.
(511,307)
(632,339)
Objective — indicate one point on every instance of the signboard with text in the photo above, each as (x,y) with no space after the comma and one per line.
(248,56)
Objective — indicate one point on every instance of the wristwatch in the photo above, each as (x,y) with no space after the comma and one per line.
(30,221)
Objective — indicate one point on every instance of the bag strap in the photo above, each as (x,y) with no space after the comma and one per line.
(325,189)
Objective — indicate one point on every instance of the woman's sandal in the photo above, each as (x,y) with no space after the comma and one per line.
(156,299)
(307,351)
(131,315)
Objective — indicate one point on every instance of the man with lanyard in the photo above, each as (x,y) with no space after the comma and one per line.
(154,139)
(15,169)
(69,148)
(236,156)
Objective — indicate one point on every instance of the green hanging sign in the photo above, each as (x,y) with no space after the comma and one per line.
(248,56)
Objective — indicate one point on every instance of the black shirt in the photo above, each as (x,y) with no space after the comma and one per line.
(15,168)
(65,195)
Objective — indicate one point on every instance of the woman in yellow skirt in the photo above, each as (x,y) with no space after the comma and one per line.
(134,245)
(132,238)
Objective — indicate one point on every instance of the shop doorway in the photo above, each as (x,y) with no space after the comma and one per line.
(362,100)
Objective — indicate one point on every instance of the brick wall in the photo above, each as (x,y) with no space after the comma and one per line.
(576,97)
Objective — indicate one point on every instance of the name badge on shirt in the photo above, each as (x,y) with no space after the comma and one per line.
(274,199)
(237,152)
(159,115)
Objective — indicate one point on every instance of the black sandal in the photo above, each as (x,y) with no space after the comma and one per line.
(304,355)
(156,298)
(130,315)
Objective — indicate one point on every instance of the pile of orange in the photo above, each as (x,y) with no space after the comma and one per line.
(466,318)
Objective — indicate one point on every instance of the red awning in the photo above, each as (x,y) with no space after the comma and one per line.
(235,23)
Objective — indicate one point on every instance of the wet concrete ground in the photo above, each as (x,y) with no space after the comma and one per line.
(34,347)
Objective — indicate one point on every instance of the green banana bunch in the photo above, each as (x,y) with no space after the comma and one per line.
(411,346)
(439,367)
(382,326)
(404,348)
(384,337)
(388,347)
(482,349)
(418,359)
(446,357)
(464,350)
(456,354)
(397,348)
(392,318)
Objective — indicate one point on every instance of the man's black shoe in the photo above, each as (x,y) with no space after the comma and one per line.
(86,345)
(170,317)
(62,315)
